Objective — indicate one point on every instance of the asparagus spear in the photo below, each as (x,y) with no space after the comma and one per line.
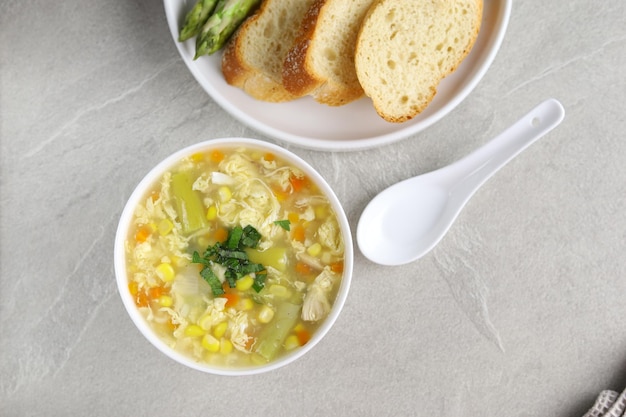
(227,16)
(196,17)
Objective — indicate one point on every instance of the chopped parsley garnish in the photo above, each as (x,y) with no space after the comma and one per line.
(231,254)
(285,224)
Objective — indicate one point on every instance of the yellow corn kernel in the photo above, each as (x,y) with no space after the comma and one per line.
(165,271)
(203,241)
(220,329)
(244,283)
(165,226)
(210,343)
(314,249)
(193,330)
(179,261)
(293,217)
(279,291)
(298,327)
(246,304)
(133,288)
(197,157)
(226,346)
(224,194)
(321,212)
(266,314)
(211,213)
(165,300)
(291,342)
(205,321)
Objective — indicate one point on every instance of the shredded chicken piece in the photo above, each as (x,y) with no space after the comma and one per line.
(316,304)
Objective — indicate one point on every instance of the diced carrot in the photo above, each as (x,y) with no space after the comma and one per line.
(142,234)
(216,156)
(303,336)
(231,299)
(337,267)
(269,157)
(141,299)
(303,269)
(171,325)
(221,234)
(298,183)
(298,233)
(155,292)
(250,343)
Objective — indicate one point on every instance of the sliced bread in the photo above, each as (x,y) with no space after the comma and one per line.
(253,58)
(321,61)
(406,47)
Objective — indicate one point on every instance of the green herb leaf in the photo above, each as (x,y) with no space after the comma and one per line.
(285,224)
(209,276)
(231,255)
(234,237)
(251,237)
(259,281)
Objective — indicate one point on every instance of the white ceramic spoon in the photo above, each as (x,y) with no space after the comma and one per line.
(407,220)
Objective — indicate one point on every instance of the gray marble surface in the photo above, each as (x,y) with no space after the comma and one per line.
(518,312)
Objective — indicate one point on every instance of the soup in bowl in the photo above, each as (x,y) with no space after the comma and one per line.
(233,256)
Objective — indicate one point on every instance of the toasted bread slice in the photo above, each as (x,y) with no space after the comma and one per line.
(321,61)
(253,57)
(406,47)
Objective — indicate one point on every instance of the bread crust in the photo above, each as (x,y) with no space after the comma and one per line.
(238,71)
(297,75)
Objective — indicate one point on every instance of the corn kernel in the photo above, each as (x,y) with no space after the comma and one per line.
(244,283)
(246,304)
(166,301)
(211,213)
(220,329)
(193,331)
(298,327)
(291,342)
(179,261)
(315,249)
(320,212)
(293,217)
(165,271)
(165,226)
(210,343)
(224,194)
(226,347)
(266,314)
(280,291)
(197,157)
(133,288)
(205,322)
(203,241)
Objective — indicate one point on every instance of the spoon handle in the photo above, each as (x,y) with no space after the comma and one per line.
(480,165)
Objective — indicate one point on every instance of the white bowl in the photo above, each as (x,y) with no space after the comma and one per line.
(355,126)
(140,192)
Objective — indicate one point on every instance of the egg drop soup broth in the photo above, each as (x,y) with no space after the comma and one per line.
(196,304)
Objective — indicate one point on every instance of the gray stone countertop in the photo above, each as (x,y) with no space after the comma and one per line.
(519,311)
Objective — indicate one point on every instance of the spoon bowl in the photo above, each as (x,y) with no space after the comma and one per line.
(408,219)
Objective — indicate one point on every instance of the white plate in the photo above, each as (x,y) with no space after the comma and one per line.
(355,126)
